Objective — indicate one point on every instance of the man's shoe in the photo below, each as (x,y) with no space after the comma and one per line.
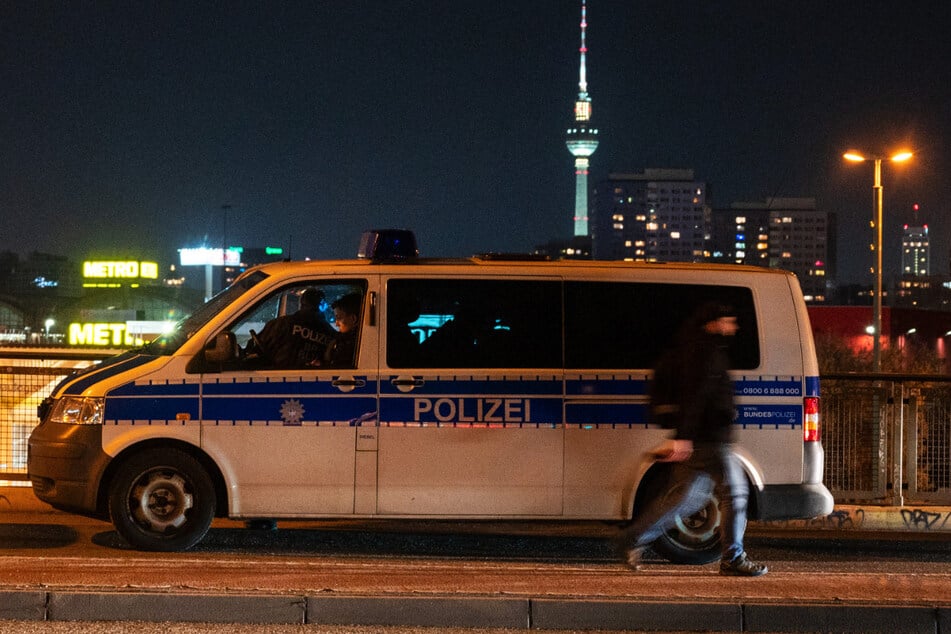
(632,557)
(742,567)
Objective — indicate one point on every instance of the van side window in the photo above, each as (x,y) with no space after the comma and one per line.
(453,323)
(626,325)
(296,327)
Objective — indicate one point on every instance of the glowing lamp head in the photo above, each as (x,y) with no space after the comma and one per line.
(858,157)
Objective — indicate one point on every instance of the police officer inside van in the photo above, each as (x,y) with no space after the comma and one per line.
(296,340)
(340,354)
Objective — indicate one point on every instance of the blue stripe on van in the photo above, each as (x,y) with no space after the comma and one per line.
(288,411)
(812,386)
(606,414)
(772,416)
(156,388)
(109,368)
(178,409)
(778,386)
(607,385)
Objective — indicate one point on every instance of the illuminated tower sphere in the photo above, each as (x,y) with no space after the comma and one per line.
(582,139)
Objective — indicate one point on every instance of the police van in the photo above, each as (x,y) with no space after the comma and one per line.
(489,387)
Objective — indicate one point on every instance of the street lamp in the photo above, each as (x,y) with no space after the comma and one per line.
(858,157)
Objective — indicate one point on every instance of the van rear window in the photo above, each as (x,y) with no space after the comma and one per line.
(617,325)
(453,323)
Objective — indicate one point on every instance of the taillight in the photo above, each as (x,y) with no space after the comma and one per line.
(810,423)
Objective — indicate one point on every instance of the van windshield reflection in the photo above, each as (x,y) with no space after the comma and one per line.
(171,341)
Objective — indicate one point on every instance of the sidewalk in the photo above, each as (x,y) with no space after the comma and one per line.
(833,601)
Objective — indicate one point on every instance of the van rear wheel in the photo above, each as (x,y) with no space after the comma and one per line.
(694,539)
(162,500)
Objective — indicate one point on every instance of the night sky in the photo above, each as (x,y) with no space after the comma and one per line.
(125,131)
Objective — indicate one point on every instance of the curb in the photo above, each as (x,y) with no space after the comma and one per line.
(478,612)
(844,517)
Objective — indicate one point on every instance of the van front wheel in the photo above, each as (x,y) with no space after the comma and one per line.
(162,500)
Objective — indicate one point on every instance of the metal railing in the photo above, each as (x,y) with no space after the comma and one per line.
(26,378)
(887,437)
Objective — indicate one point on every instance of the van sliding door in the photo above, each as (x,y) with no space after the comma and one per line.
(471,398)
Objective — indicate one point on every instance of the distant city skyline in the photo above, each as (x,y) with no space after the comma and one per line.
(129,130)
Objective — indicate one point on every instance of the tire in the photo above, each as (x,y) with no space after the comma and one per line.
(162,500)
(694,539)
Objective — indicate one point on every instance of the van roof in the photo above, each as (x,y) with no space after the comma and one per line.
(496,262)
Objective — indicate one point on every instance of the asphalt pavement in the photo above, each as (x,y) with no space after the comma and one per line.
(923,607)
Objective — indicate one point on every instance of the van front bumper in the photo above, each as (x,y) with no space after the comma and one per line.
(65,465)
(791,502)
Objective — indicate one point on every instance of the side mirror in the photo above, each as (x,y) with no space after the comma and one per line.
(222,349)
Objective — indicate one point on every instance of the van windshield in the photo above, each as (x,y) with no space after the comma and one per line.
(169,342)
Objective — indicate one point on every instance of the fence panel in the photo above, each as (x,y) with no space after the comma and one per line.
(887,438)
(930,444)
(854,436)
(25,380)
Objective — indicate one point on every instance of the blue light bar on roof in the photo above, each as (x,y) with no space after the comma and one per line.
(388,245)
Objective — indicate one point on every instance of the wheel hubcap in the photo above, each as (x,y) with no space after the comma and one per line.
(160,501)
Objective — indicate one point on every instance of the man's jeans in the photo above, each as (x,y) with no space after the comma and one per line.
(711,468)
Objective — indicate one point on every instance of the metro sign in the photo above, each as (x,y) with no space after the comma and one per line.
(129,269)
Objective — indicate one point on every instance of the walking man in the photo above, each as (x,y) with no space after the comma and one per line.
(702,446)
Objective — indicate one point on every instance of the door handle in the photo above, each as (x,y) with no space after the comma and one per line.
(408,382)
(348,383)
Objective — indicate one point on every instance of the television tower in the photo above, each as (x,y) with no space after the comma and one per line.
(582,139)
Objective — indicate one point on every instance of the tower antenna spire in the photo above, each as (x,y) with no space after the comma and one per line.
(583,72)
(582,139)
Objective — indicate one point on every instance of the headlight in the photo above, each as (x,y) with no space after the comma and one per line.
(77,410)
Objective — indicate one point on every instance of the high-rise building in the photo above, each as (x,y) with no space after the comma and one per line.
(915,252)
(582,139)
(740,235)
(784,233)
(658,215)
